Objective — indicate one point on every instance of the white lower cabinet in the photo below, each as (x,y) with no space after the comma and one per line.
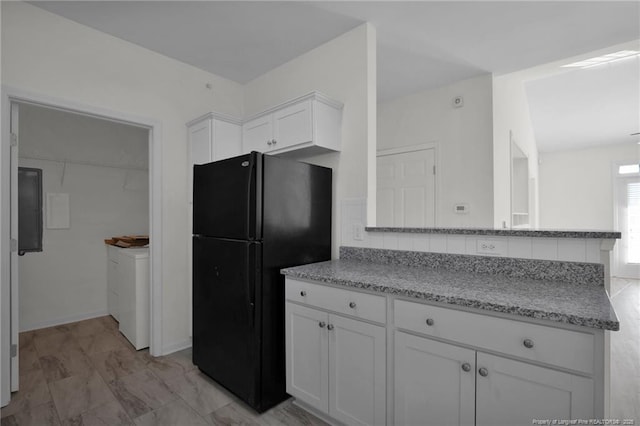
(308,355)
(434,382)
(128,292)
(113,282)
(133,301)
(448,367)
(438,383)
(510,392)
(336,365)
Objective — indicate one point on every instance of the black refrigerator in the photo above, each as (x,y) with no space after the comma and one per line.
(252,216)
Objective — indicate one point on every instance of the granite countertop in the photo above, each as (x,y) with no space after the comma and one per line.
(539,233)
(565,302)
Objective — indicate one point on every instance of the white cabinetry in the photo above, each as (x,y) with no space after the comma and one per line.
(214,137)
(434,382)
(312,122)
(335,364)
(113,282)
(445,366)
(513,392)
(128,292)
(133,297)
(506,391)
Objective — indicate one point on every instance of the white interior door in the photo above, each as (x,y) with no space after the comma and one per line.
(628,217)
(406,188)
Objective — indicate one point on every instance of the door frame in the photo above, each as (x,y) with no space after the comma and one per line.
(617,179)
(9,290)
(436,160)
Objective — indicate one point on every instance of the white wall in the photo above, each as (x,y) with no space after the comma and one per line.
(511,116)
(464,144)
(51,56)
(576,187)
(67,280)
(343,69)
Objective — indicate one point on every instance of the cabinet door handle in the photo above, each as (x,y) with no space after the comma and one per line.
(352,305)
(466,367)
(330,327)
(483,372)
(321,324)
(269,143)
(528,343)
(430,322)
(303,293)
(273,141)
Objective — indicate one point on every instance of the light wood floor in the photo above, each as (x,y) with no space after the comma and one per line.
(87,373)
(625,351)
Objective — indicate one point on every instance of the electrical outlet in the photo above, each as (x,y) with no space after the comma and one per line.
(358,231)
(494,247)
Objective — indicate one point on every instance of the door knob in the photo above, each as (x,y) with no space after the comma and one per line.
(466,367)
(303,293)
(430,322)
(330,327)
(352,305)
(321,324)
(528,343)
(483,372)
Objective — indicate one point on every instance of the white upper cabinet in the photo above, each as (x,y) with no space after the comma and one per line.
(257,134)
(312,123)
(214,137)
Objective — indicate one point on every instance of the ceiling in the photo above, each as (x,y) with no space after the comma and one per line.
(421,44)
(607,113)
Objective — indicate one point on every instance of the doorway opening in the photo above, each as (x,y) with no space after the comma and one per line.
(66,171)
(627,217)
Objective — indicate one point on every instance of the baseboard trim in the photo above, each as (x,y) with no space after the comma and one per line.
(175,347)
(319,414)
(62,320)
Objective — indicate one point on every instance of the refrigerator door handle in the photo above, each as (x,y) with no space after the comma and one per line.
(250,188)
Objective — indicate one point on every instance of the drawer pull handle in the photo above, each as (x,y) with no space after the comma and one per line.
(352,305)
(330,327)
(528,343)
(483,372)
(321,324)
(466,367)
(303,293)
(430,322)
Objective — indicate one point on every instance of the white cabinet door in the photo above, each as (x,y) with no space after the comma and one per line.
(200,142)
(257,134)
(434,382)
(514,393)
(227,140)
(307,355)
(357,371)
(292,126)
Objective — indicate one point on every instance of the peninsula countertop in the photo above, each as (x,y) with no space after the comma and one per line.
(586,305)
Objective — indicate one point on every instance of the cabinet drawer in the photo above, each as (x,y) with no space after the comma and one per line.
(563,348)
(360,305)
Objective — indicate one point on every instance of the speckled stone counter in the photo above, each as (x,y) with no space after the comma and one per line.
(540,233)
(558,301)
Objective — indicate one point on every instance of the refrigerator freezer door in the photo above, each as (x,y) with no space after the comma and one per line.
(227,198)
(226,285)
